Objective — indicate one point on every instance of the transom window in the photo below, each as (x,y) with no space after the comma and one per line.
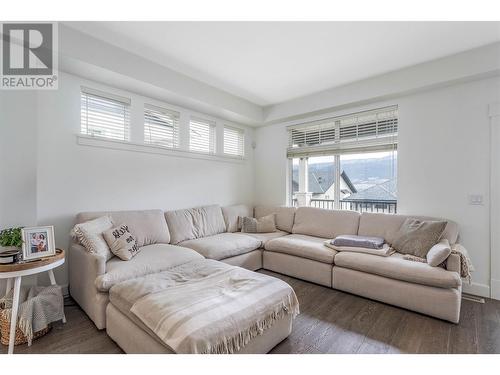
(104,115)
(161,126)
(234,141)
(202,135)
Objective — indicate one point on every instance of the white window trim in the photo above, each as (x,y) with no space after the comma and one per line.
(212,133)
(112,144)
(380,144)
(175,132)
(337,165)
(136,127)
(103,95)
(243,134)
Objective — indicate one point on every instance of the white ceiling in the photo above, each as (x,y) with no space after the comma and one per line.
(272,62)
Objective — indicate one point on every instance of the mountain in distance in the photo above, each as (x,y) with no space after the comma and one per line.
(363,173)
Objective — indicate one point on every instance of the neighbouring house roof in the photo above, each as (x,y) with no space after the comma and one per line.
(348,182)
(385,191)
(321,180)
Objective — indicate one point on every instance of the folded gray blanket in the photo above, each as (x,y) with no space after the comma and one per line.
(359,241)
(38,307)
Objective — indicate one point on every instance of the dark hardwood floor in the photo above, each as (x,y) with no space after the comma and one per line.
(330,322)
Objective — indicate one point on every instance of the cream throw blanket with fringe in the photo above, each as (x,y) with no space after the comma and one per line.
(38,307)
(466,266)
(210,307)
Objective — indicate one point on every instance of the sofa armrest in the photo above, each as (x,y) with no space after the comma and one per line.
(453,263)
(93,262)
(84,267)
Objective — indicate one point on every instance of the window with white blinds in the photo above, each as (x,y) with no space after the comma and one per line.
(104,115)
(161,126)
(373,130)
(234,141)
(202,135)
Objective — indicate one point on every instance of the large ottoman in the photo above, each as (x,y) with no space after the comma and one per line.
(203,306)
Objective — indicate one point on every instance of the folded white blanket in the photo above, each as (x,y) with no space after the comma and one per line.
(385,251)
(210,307)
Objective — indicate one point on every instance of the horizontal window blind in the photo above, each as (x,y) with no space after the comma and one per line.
(202,135)
(104,115)
(312,135)
(234,141)
(161,126)
(374,130)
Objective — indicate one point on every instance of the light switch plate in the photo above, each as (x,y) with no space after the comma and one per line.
(476,199)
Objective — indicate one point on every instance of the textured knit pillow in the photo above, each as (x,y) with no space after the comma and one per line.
(89,234)
(416,237)
(439,253)
(121,242)
(265,224)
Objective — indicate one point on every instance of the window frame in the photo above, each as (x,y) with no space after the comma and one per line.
(240,141)
(339,147)
(175,115)
(212,134)
(85,94)
(337,165)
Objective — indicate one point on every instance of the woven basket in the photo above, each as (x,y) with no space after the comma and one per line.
(20,337)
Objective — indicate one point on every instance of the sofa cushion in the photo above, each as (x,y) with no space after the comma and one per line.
(194,223)
(265,237)
(264,224)
(232,215)
(121,242)
(417,237)
(439,253)
(151,259)
(223,245)
(284,216)
(395,267)
(325,223)
(147,226)
(302,246)
(387,225)
(90,235)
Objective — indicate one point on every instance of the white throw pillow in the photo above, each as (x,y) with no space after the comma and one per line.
(439,253)
(121,242)
(89,234)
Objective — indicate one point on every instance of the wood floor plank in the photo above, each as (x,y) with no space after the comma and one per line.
(330,322)
(379,336)
(435,336)
(464,336)
(488,327)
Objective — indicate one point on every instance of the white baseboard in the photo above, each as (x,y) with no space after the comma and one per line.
(477,289)
(495,289)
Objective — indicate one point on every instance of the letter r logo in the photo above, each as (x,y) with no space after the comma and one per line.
(27,49)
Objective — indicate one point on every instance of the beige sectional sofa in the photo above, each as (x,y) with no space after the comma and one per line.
(412,285)
(171,238)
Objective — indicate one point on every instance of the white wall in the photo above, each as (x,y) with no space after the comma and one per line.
(18,134)
(73,177)
(465,66)
(93,58)
(18,148)
(443,156)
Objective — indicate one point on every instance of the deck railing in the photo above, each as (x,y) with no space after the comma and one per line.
(389,207)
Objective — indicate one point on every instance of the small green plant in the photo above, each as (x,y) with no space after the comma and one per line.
(11,237)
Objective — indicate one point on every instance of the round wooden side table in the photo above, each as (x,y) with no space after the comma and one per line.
(14,272)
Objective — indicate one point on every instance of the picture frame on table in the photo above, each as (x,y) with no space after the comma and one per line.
(38,242)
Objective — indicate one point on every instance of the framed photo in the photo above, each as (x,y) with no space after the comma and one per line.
(38,242)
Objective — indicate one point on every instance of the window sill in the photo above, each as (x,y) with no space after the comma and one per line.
(113,144)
